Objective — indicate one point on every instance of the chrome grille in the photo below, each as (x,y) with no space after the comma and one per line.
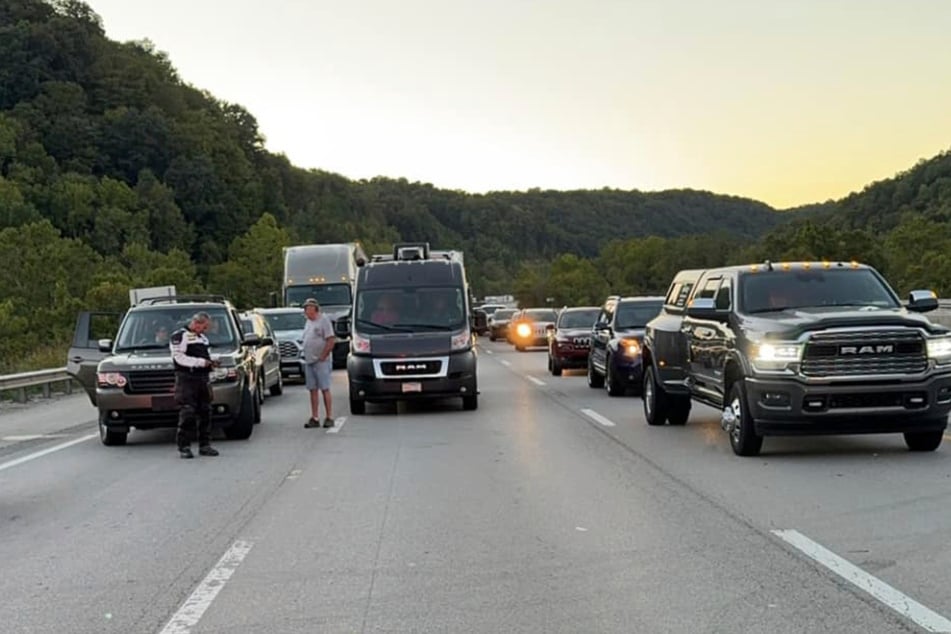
(865,353)
(289,350)
(582,342)
(151,382)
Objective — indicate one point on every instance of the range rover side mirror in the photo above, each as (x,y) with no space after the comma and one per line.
(105,345)
(922,301)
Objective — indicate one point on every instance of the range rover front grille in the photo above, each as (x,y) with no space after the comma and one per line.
(872,352)
(151,382)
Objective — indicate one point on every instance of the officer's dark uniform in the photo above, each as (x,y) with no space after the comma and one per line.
(192,361)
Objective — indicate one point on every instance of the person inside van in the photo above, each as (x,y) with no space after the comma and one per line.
(386,312)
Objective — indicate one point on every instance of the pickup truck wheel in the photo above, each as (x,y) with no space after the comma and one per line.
(357,406)
(610,381)
(257,403)
(108,437)
(243,423)
(278,388)
(743,437)
(678,410)
(924,440)
(595,380)
(655,399)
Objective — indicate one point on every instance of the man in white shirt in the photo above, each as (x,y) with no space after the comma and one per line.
(318,345)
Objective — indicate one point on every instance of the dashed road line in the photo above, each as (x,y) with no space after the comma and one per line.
(46,452)
(598,418)
(901,603)
(200,600)
(506,362)
(537,382)
(338,425)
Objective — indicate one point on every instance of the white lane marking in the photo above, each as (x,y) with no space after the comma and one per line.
(294,474)
(581,529)
(901,603)
(31,437)
(489,352)
(194,607)
(598,418)
(46,452)
(538,382)
(505,362)
(338,425)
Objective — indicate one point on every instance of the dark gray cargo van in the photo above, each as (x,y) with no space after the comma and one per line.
(411,333)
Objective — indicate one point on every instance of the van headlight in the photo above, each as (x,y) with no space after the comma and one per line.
(939,349)
(360,344)
(461,341)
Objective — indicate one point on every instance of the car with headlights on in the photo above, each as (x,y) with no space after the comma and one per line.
(530,328)
(569,339)
(615,360)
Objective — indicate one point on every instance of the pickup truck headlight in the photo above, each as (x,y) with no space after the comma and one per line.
(939,349)
(776,356)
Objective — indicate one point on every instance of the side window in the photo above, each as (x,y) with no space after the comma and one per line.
(672,293)
(683,293)
(724,295)
(709,289)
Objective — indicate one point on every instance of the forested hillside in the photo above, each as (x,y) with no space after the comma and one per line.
(114,172)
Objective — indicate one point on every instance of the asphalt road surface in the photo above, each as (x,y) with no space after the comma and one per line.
(551,508)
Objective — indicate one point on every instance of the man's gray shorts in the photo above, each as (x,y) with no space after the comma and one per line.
(317,375)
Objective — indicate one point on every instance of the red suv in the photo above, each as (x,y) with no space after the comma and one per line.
(569,340)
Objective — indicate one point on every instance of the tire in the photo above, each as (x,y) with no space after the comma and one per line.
(243,424)
(610,381)
(595,380)
(555,366)
(656,401)
(358,406)
(678,409)
(520,348)
(470,402)
(923,440)
(257,404)
(108,437)
(278,388)
(743,437)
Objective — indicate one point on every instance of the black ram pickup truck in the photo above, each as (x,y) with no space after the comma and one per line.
(799,348)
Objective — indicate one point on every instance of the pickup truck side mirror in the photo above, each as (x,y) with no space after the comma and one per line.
(105,345)
(550,327)
(267,341)
(600,325)
(922,301)
(706,308)
(252,339)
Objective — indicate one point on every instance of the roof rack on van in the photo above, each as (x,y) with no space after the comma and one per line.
(185,299)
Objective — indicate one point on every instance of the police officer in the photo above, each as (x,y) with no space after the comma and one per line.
(193,364)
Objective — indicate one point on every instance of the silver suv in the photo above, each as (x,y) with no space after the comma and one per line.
(288,327)
(129,375)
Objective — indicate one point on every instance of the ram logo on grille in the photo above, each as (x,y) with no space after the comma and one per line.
(882,348)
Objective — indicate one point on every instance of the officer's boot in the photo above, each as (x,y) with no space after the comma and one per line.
(207,450)
(185,452)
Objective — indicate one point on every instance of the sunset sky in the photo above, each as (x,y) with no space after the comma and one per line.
(787,102)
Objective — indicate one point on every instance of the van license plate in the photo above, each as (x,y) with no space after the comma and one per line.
(413,387)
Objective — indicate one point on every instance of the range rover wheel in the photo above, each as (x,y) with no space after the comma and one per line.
(611,384)
(594,379)
(656,405)
(743,437)
(357,406)
(243,424)
(470,402)
(278,388)
(923,440)
(108,437)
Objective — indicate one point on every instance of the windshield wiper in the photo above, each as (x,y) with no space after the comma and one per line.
(428,326)
(145,346)
(775,309)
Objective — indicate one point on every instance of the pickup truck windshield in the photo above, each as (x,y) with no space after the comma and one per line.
(150,329)
(782,290)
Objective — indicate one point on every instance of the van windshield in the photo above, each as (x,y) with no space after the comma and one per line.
(425,309)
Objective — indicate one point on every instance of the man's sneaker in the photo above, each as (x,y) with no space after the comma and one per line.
(207,450)
(311,423)
(328,422)
(185,452)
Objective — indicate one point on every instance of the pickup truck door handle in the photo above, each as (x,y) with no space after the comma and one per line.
(76,359)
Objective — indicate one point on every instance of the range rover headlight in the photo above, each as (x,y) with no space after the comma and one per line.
(219,375)
(111,379)
(939,349)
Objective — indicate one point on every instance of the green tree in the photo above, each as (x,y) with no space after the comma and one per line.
(255,266)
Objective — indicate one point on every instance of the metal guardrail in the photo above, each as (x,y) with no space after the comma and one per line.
(20,383)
